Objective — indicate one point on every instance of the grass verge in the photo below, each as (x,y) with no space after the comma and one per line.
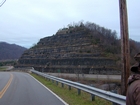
(71,96)
(2,68)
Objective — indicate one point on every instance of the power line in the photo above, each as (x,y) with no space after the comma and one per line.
(2,2)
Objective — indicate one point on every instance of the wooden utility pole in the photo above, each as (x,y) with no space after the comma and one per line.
(124,46)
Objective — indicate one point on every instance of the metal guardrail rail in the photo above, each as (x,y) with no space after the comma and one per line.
(115,98)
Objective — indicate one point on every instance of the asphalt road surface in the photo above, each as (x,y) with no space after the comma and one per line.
(17,88)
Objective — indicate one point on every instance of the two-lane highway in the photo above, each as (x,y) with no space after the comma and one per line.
(17,88)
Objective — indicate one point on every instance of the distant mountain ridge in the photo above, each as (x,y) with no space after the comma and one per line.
(10,51)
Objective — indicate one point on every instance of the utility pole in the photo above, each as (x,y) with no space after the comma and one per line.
(124,46)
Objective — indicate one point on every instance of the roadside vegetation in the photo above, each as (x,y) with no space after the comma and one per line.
(2,68)
(8,62)
(5,63)
(71,96)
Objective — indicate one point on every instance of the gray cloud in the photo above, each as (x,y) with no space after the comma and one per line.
(24,22)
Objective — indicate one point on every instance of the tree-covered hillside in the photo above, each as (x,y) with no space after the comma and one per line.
(107,39)
(10,51)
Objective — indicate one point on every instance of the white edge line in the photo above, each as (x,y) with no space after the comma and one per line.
(50,91)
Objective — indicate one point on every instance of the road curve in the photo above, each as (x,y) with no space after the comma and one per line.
(21,89)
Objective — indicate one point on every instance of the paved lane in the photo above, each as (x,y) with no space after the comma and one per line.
(24,90)
(3,79)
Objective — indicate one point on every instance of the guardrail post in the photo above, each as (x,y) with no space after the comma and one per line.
(56,82)
(79,91)
(92,95)
(62,85)
(69,87)
(114,91)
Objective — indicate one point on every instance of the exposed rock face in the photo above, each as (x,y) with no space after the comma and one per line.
(69,51)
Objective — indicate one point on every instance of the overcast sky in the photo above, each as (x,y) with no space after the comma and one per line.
(25,22)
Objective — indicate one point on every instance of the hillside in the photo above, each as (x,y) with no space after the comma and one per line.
(10,51)
(79,48)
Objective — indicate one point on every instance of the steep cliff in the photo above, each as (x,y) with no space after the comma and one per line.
(71,50)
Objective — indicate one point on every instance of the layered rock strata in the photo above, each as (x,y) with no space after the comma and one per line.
(69,51)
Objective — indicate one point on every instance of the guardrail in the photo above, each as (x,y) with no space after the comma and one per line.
(115,98)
